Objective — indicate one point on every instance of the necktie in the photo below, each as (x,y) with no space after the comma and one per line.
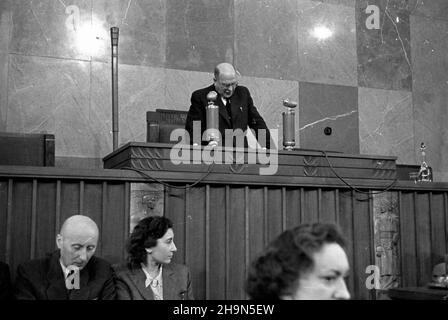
(229,109)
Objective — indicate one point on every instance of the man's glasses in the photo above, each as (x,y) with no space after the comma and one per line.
(228,85)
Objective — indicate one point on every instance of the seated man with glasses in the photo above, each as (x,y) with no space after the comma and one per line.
(236,109)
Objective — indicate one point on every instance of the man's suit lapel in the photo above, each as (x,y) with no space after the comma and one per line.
(138,278)
(169,284)
(223,111)
(83,293)
(56,289)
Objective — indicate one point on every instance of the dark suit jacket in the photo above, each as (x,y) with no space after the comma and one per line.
(175,278)
(43,279)
(5,282)
(244,114)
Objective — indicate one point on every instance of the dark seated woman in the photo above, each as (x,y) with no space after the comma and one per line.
(148,274)
(307,262)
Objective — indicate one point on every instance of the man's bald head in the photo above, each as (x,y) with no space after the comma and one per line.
(224,69)
(225,79)
(78,223)
(77,240)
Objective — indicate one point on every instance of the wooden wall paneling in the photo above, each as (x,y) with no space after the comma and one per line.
(216,240)
(3,219)
(438,231)
(69,199)
(363,242)
(310,206)
(113,222)
(92,206)
(236,267)
(292,207)
(46,218)
(408,239)
(327,212)
(256,222)
(346,224)
(195,238)
(21,215)
(175,210)
(423,237)
(274,213)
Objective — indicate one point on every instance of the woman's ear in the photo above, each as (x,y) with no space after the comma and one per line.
(148,250)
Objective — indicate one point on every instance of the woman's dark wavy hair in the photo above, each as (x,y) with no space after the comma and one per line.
(145,235)
(276,271)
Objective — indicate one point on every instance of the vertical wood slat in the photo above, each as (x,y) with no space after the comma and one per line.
(81,197)
(217,243)
(362,248)
(423,238)
(437,231)
(283,206)
(207,241)
(227,244)
(127,217)
(103,210)
(408,249)
(265,217)
(58,206)
(246,234)
(9,222)
(33,220)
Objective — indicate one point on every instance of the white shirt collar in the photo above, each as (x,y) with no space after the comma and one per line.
(149,279)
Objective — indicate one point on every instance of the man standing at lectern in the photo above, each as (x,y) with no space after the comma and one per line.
(236,109)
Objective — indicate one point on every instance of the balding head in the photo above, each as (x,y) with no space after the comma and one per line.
(77,240)
(225,79)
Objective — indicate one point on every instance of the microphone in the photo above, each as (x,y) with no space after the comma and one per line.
(212,114)
(289,140)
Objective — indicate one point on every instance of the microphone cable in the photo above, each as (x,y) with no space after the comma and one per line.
(370,193)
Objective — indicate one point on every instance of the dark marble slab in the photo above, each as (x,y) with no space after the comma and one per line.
(50,28)
(430,90)
(5,26)
(384,55)
(266,38)
(142,37)
(336,107)
(3,90)
(199,34)
(330,60)
(386,124)
(348,3)
(432,9)
(268,95)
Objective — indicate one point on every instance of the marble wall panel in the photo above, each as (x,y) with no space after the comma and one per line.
(330,60)
(50,28)
(199,34)
(141,23)
(437,9)
(140,89)
(268,95)
(386,124)
(384,56)
(266,38)
(5,26)
(336,107)
(180,84)
(52,95)
(430,91)
(348,3)
(3,89)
